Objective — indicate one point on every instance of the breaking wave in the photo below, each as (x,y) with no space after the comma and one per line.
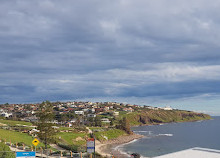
(169,135)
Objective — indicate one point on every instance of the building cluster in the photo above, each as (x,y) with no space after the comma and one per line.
(18,110)
(71,112)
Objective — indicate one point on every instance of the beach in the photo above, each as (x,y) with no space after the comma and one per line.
(109,148)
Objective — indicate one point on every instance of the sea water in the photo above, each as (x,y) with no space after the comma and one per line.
(167,138)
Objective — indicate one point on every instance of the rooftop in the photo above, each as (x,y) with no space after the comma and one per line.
(193,153)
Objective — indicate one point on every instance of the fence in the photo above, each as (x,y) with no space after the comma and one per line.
(49,155)
(40,153)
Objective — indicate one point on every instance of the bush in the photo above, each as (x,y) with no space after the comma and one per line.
(81,128)
(5,154)
(20,143)
(72,148)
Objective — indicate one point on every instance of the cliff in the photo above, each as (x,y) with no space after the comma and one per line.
(148,117)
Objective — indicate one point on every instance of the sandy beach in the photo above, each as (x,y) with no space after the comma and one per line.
(107,148)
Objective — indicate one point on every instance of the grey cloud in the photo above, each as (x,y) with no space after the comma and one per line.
(62,50)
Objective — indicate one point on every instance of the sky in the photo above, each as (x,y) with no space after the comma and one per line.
(142,52)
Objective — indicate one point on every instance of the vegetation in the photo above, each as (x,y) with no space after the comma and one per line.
(15,123)
(74,141)
(125,125)
(109,134)
(16,137)
(162,116)
(5,151)
(45,114)
(72,138)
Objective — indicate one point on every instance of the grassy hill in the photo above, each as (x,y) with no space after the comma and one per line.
(14,123)
(72,138)
(147,117)
(109,134)
(16,137)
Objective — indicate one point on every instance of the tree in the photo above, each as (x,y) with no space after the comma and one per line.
(111,123)
(64,118)
(98,121)
(125,125)
(44,125)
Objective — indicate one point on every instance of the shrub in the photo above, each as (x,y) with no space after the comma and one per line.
(4,154)
(73,148)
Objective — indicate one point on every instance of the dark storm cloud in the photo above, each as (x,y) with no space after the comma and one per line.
(173,90)
(60,50)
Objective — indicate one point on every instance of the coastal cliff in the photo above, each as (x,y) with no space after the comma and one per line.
(149,117)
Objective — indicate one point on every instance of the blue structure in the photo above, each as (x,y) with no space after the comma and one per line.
(30,154)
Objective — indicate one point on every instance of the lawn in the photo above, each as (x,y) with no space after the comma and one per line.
(16,137)
(64,128)
(15,123)
(97,128)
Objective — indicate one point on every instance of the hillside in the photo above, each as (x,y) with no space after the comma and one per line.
(147,117)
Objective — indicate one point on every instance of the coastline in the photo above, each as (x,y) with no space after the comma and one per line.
(109,148)
(162,123)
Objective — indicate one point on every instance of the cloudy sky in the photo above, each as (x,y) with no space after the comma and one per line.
(137,51)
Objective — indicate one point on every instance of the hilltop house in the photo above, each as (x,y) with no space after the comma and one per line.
(168,108)
(105,120)
(79,112)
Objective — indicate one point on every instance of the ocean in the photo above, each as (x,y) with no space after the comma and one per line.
(167,138)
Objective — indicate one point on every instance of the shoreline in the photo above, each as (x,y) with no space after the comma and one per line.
(110,147)
(161,123)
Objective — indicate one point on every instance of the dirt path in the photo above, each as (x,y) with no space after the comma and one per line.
(58,148)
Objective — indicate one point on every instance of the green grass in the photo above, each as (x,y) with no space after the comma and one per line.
(16,137)
(15,123)
(64,128)
(122,114)
(97,128)
(70,138)
(5,151)
(110,134)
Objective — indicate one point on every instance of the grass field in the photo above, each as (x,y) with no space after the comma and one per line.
(15,123)
(97,128)
(16,137)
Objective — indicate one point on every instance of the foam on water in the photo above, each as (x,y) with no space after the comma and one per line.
(169,135)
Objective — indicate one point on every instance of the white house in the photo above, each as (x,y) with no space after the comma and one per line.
(5,114)
(91,115)
(105,120)
(92,110)
(116,113)
(168,108)
(79,112)
(85,110)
